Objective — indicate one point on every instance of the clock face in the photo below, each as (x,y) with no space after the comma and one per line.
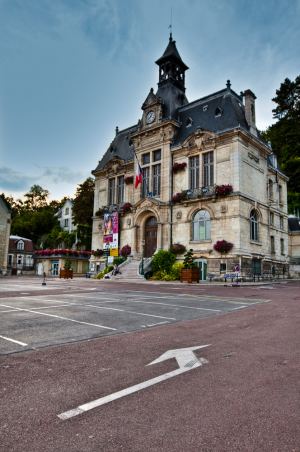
(150,116)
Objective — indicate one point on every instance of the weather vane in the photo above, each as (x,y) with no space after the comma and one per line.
(170,26)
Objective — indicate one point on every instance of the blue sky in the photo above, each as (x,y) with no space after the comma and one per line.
(73,70)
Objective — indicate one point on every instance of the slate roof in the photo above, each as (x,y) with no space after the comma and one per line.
(118,148)
(172,97)
(294,224)
(70,201)
(171,52)
(273,164)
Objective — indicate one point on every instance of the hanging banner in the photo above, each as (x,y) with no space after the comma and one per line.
(111,231)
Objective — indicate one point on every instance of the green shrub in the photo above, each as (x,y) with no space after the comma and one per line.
(163,261)
(108,269)
(99,276)
(175,271)
(119,260)
(189,260)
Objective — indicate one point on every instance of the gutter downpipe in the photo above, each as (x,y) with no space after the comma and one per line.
(171,234)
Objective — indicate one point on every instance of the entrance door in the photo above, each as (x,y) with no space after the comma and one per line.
(54,268)
(150,236)
(40,269)
(202,264)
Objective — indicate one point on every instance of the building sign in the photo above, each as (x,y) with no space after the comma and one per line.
(114,252)
(111,232)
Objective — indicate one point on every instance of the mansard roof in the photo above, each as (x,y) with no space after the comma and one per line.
(119,147)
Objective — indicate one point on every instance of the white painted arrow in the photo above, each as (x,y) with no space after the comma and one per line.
(185,358)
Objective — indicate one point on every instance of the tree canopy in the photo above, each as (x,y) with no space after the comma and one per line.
(84,202)
(285,135)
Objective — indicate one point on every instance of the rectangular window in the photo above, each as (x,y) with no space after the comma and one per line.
(156,180)
(194,172)
(156,156)
(10,260)
(271,219)
(208,169)
(282,246)
(146,159)
(67,211)
(145,181)
(281,223)
(66,222)
(120,189)
(280,194)
(270,189)
(20,246)
(272,245)
(222,267)
(111,191)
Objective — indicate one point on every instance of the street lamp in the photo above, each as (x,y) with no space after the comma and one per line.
(143,246)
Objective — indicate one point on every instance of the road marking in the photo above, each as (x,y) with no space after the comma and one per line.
(62,318)
(130,312)
(13,340)
(154,324)
(185,358)
(176,305)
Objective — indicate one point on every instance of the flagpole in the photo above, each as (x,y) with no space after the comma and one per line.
(147,187)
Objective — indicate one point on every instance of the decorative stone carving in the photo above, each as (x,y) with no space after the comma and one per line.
(178,215)
(128,221)
(223,208)
(100,226)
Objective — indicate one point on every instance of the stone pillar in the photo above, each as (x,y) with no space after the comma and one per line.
(159,236)
(134,240)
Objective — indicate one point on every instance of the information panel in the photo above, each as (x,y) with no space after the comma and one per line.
(111,232)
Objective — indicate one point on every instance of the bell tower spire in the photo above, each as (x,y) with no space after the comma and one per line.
(171,67)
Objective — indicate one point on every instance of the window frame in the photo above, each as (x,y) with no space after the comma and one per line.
(208,169)
(194,172)
(154,157)
(66,225)
(156,179)
(147,154)
(145,178)
(272,241)
(205,219)
(111,191)
(120,190)
(282,247)
(254,226)
(20,245)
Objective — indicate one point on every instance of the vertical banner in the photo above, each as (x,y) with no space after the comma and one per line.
(111,233)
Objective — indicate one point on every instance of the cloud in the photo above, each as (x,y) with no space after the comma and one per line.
(14,181)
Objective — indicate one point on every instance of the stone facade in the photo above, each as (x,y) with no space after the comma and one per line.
(215,153)
(5,223)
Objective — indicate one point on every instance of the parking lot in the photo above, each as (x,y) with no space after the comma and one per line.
(35,321)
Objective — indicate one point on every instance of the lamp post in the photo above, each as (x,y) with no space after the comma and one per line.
(143,246)
(44,281)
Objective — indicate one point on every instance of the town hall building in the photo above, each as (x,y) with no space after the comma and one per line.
(186,151)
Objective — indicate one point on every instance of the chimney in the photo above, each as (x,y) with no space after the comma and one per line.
(250,110)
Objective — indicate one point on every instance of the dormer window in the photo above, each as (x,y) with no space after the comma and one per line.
(189,122)
(218,112)
(20,245)
(205,107)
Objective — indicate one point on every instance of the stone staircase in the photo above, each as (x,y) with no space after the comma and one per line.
(129,272)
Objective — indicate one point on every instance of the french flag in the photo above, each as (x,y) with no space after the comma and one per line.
(138,174)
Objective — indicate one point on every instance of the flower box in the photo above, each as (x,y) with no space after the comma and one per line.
(223,190)
(66,273)
(178,167)
(128,180)
(177,248)
(179,197)
(222,246)
(189,275)
(126,207)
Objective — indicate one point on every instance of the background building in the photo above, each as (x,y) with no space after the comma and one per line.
(65,216)
(20,255)
(5,222)
(187,149)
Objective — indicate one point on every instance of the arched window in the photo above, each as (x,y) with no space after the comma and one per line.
(201,225)
(254,226)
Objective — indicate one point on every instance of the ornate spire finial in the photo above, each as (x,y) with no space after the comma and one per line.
(228,84)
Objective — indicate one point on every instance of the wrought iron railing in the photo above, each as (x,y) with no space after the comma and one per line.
(145,265)
(200,192)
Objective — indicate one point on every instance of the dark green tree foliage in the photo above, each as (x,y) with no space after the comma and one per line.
(68,263)
(36,198)
(33,225)
(84,203)
(84,236)
(285,135)
(163,260)
(188,261)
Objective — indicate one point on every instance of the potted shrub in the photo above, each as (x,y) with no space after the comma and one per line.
(178,167)
(98,253)
(222,246)
(67,271)
(190,272)
(223,190)
(125,251)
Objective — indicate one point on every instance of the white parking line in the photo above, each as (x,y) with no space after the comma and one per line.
(13,340)
(130,312)
(59,317)
(176,305)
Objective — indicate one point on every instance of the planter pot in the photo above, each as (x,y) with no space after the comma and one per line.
(66,273)
(189,275)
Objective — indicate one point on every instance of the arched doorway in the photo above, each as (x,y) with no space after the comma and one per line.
(150,236)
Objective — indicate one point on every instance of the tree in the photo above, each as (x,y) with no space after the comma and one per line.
(36,198)
(84,203)
(285,135)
